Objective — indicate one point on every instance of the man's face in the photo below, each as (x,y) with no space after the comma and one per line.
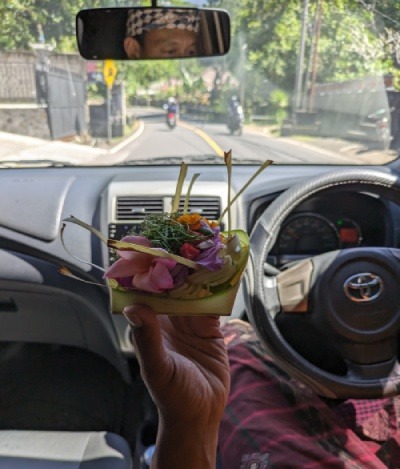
(166,43)
(157,33)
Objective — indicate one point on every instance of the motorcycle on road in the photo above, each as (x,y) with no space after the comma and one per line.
(171,119)
(236,121)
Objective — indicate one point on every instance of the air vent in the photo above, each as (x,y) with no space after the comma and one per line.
(135,208)
(209,207)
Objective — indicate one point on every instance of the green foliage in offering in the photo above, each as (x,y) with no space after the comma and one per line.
(164,232)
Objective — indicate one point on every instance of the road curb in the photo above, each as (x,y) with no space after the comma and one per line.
(136,133)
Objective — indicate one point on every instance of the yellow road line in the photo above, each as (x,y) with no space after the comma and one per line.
(213,144)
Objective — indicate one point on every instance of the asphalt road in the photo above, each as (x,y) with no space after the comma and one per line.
(193,141)
(197,141)
(254,145)
(156,140)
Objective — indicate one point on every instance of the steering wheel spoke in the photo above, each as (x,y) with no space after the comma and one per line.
(357,371)
(366,354)
(293,285)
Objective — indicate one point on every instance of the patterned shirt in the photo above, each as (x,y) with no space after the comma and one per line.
(274,421)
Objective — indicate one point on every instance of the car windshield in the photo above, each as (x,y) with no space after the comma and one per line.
(304,82)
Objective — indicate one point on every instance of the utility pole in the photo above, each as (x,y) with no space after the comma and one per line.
(242,61)
(315,57)
(298,88)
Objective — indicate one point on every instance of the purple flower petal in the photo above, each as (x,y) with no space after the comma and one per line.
(179,274)
(125,282)
(210,258)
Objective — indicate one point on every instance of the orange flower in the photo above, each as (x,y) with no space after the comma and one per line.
(189,219)
(195,221)
(195,227)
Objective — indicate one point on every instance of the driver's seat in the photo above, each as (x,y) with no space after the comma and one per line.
(20,449)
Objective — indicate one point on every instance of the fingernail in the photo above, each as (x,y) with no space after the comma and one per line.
(134,320)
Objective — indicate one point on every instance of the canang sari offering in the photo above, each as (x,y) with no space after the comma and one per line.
(179,263)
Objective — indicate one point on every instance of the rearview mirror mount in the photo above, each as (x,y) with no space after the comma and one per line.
(140,33)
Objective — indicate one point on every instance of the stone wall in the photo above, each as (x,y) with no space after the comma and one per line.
(28,120)
(17,73)
(72,62)
(19,109)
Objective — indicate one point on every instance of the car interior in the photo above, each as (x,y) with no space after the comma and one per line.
(324,260)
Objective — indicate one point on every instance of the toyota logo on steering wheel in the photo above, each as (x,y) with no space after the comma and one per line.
(363,287)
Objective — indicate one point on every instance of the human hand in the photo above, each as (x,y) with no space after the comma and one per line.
(184,363)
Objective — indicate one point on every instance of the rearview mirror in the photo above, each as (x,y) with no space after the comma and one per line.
(152,33)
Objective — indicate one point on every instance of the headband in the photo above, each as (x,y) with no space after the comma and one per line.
(149,19)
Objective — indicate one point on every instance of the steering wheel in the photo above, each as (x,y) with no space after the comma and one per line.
(332,321)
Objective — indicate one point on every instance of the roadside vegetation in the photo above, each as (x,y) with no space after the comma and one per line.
(340,44)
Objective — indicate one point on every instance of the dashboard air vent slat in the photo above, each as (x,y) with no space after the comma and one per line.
(135,208)
(209,207)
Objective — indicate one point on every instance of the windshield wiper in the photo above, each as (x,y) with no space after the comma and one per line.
(193,159)
(35,164)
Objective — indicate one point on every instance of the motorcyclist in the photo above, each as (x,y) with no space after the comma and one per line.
(172,114)
(172,106)
(235,114)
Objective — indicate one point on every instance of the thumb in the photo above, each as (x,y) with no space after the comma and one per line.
(147,340)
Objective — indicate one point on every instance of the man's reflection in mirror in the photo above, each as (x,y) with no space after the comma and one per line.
(161,33)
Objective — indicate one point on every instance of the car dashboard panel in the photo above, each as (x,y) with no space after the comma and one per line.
(114,200)
(329,222)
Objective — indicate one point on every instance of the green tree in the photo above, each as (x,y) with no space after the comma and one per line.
(142,74)
(21,21)
(18,24)
(353,41)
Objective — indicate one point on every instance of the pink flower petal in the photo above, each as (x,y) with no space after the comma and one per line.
(160,276)
(137,240)
(169,263)
(130,255)
(142,282)
(135,256)
(137,263)
(156,280)
(143,271)
(120,268)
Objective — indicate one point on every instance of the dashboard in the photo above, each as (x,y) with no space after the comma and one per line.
(115,199)
(330,222)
